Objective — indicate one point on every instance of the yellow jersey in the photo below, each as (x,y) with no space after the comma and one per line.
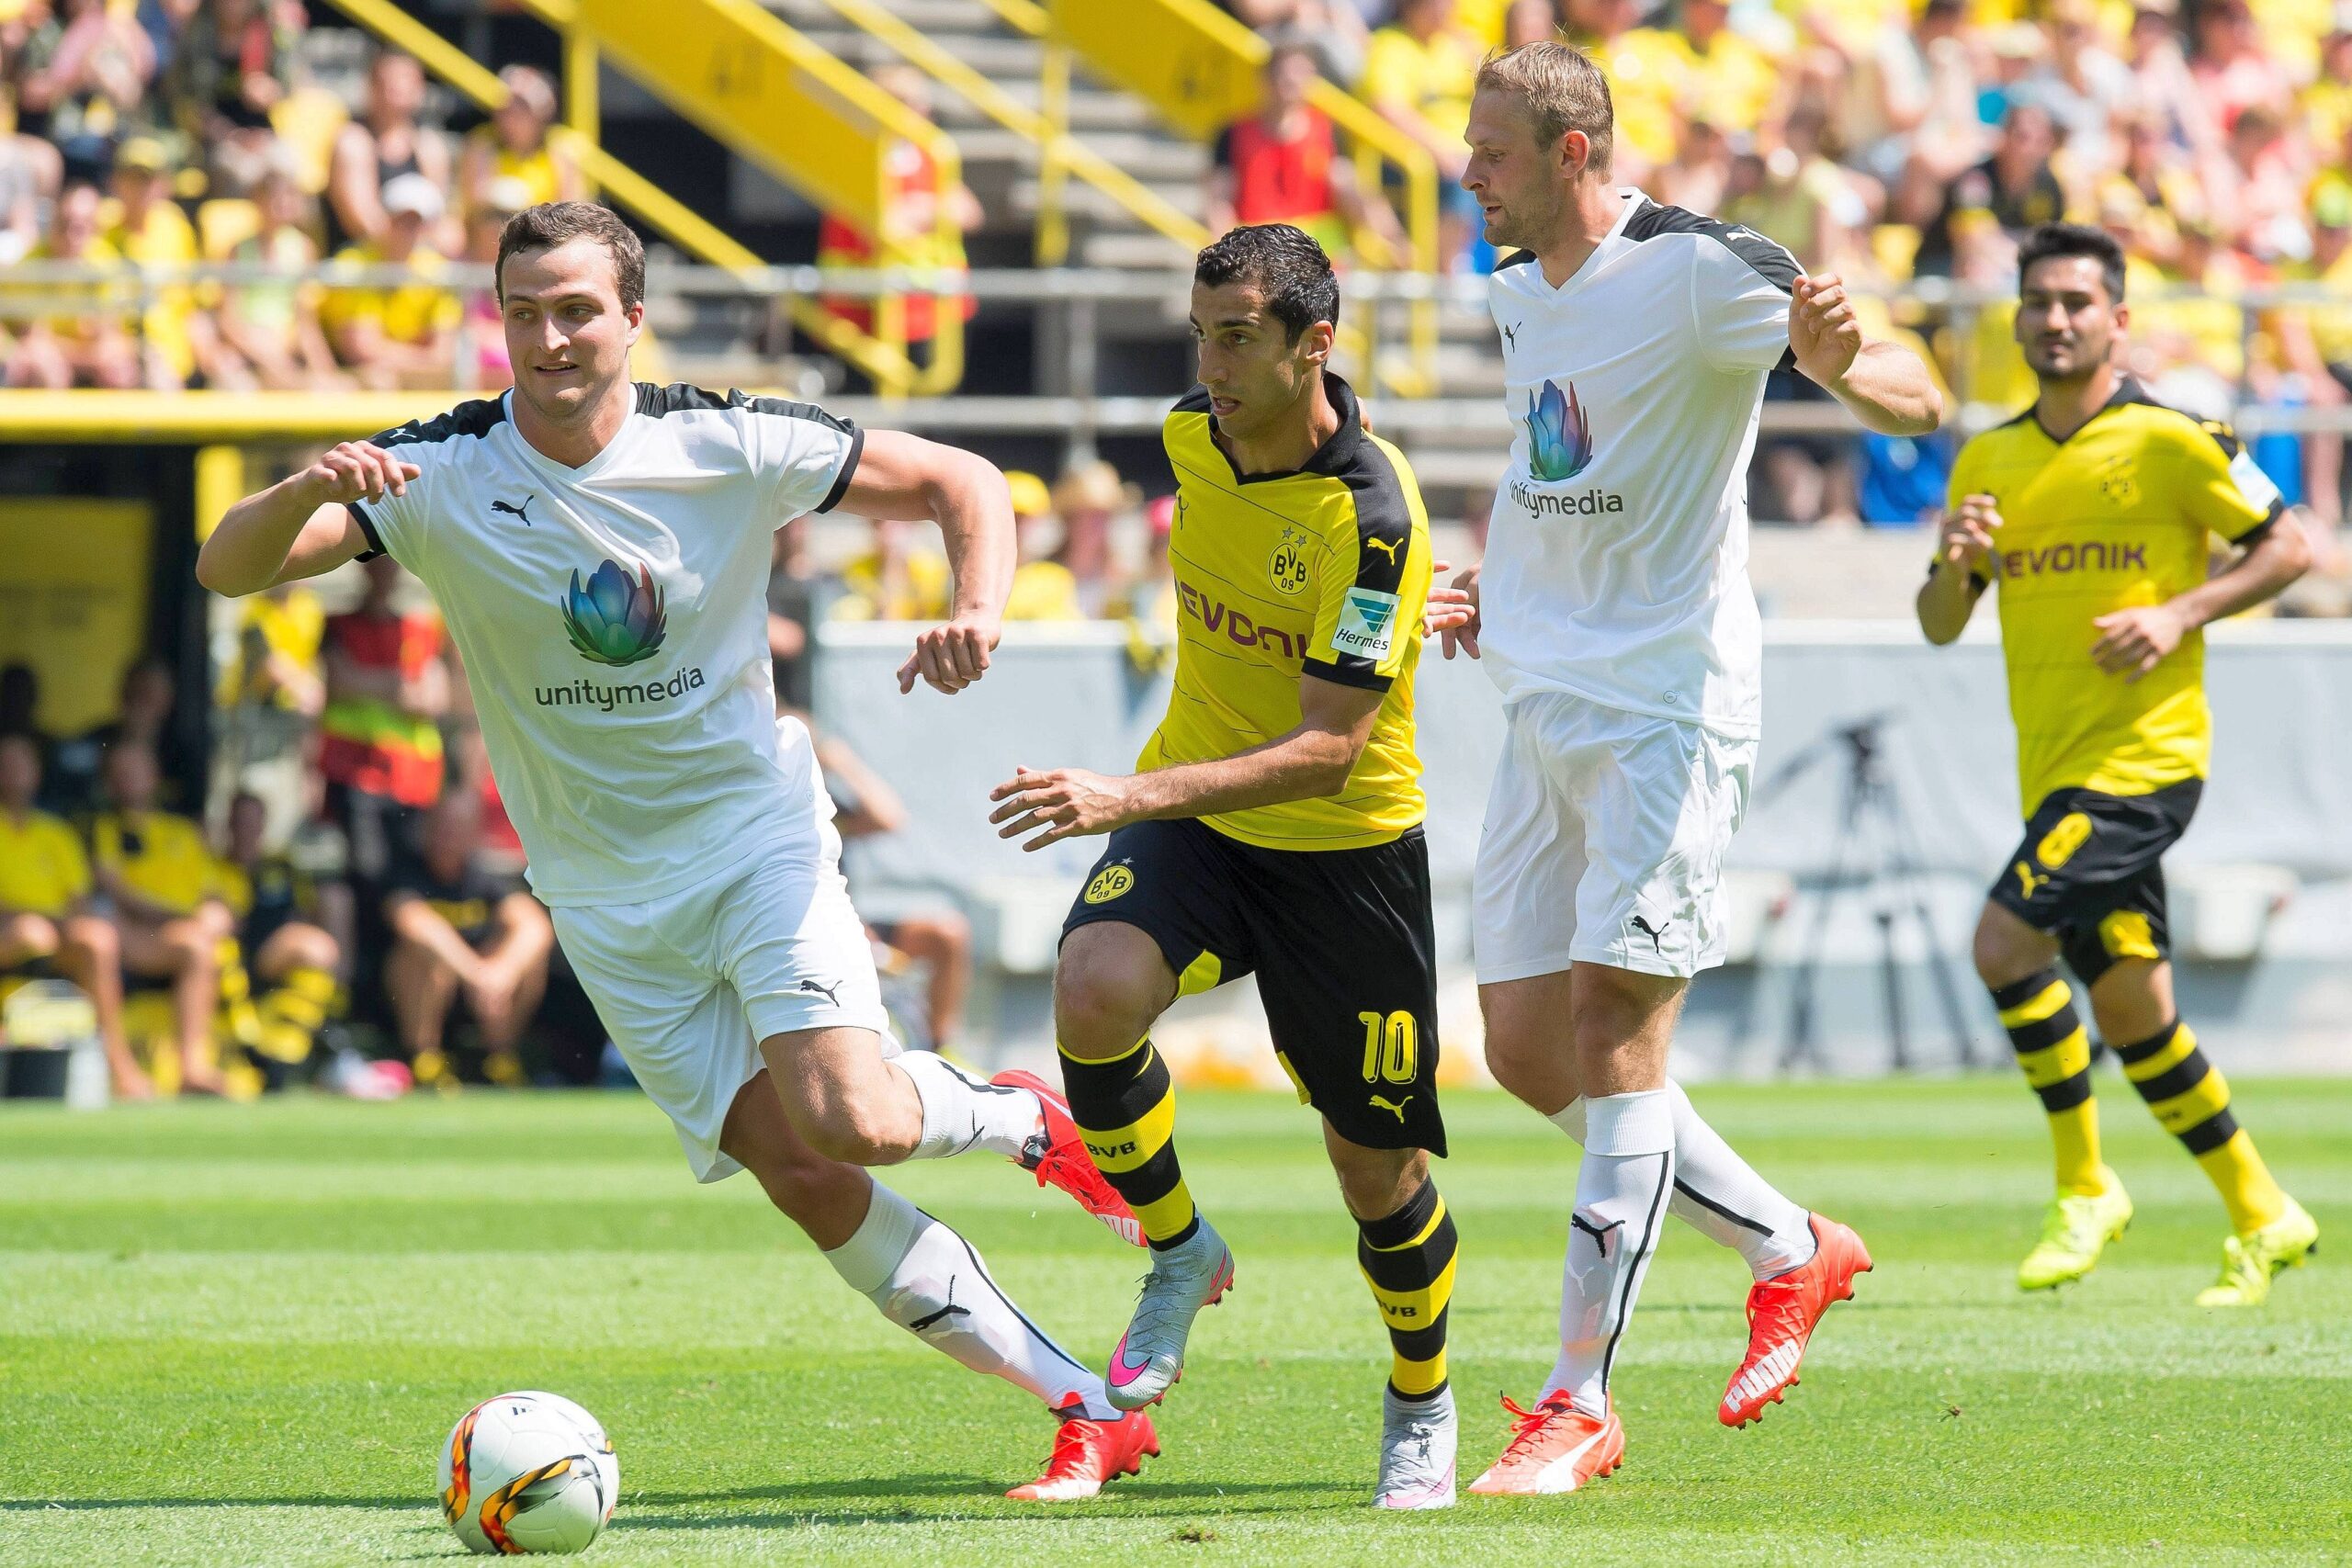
(2114,517)
(42,868)
(1322,570)
(408,312)
(160,855)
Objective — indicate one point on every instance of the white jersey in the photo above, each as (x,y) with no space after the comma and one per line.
(612,620)
(1616,569)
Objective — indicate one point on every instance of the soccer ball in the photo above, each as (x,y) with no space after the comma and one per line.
(527,1472)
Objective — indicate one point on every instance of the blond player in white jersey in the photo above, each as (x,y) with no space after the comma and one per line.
(1617,620)
(599,548)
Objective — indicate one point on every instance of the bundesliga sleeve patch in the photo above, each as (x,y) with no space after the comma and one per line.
(1367,628)
(2253,483)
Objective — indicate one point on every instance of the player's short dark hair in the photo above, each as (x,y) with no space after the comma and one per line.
(550,223)
(1281,262)
(2074,239)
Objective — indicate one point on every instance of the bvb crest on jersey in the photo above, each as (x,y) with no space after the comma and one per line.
(2119,479)
(1287,568)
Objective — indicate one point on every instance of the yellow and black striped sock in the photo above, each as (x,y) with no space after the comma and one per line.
(292,1014)
(1125,1110)
(2054,1052)
(1408,1259)
(2190,1100)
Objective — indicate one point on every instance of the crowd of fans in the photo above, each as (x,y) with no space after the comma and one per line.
(144,137)
(1897,140)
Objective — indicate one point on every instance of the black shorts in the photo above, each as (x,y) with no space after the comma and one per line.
(2089,872)
(1341,942)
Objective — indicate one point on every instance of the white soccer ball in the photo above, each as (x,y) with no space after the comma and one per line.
(527,1472)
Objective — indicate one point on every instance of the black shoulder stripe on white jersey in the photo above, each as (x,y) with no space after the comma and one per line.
(366,531)
(1517,258)
(477,418)
(678,397)
(1771,259)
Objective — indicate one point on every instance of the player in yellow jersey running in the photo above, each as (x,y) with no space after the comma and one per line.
(1273,825)
(2090,511)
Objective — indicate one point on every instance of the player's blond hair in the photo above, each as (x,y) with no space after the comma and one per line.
(1563,91)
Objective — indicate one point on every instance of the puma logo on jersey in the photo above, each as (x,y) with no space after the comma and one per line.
(950,1310)
(1386,546)
(830,993)
(1600,1234)
(1510,334)
(1656,933)
(523,511)
(1393,1107)
(2032,880)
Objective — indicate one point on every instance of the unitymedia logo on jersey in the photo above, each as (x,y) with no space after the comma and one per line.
(1560,447)
(617,619)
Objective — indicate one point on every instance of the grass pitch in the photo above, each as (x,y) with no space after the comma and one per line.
(237,1335)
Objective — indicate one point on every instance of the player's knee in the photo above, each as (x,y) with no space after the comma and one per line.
(2003,949)
(1100,1008)
(94,937)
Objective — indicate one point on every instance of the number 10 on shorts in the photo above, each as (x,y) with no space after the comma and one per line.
(1391,1047)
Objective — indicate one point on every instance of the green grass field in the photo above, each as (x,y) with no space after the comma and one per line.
(237,1335)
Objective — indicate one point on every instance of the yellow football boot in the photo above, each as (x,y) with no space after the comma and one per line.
(2074,1231)
(2249,1261)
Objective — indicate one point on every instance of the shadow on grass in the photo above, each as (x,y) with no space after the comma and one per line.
(92,1504)
(867,1501)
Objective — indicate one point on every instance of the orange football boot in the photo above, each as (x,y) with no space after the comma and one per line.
(1088,1455)
(1057,1156)
(1556,1448)
(1782,1313)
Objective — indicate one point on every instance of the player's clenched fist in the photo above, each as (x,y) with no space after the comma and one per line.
(1967,540)
(359,470)
(952,657)
(1824,332)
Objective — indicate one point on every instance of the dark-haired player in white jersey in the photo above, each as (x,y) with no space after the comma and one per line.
(600,550)
(1617,619)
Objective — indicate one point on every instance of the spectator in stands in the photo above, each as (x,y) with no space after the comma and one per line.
(1719,66)
(2263,207)
(404,334)
(482,361)
(1148,601)
(45,913)
(20,704)
(1283,164)
(2016,184)
(388,685)
(2232,70)
(143,717)
(2165,89)
(385,142)
(2080,84)
(1530,21)
(71,334)
(912,219)
(1044,587)
(20,193)
(274,328)
(1699,178)
(1642,68)
(289,957)
(1088,499)
(2326,103)
(180,342)
(80,81)
(159,878)
(792,618)
(233,66)
(517,145)
(1419,73)
(1797,194)
(461,931)
(896,578)
(1334,29)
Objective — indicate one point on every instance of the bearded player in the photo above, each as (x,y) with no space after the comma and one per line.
(2088,514)
(1616,617)
(599,548)
(1272,824)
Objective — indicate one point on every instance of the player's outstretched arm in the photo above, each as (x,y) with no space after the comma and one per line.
(2133,642)
(1963,563)
(301,526)
(1304,763)
(906,478)
(1887,388)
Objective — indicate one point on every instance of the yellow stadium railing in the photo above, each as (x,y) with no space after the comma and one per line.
(880,354)
(1201,70)
(1058,153)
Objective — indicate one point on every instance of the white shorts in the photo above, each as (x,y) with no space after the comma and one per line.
(689,985)
(1604,841)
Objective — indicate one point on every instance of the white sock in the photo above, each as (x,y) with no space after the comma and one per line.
(961,1112)
(1621,1189)
(1719,1195)
(930,1281)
